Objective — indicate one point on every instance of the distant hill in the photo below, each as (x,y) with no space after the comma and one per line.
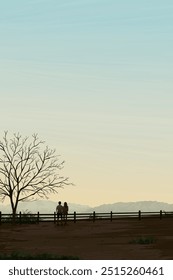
(47,206)
(44,207)
(147,206)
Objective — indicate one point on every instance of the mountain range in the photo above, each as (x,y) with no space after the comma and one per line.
(47,206)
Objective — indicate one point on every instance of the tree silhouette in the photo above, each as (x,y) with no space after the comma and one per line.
(28,170)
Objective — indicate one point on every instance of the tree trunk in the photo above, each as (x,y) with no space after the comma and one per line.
(14,209)
(14,215)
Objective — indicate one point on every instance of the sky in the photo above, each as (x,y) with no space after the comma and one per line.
(94,79)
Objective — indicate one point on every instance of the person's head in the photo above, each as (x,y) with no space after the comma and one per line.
(59,202)
(65,203)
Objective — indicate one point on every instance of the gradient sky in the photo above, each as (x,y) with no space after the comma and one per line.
(94,79)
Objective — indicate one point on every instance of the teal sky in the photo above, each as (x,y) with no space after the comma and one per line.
(94,79)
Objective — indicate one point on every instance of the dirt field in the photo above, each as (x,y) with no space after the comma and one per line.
(88,240)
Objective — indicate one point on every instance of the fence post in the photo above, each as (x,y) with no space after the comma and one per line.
(139,216)
(38,216)
(111,216)
(54,217)
(20,217)
(0,217)
(94,216)
(160,214)
(74,216)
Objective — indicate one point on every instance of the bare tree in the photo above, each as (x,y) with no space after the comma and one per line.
(28,170)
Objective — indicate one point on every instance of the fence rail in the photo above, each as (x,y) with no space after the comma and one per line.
(77,217)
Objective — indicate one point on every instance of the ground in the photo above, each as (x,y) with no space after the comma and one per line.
(119,239)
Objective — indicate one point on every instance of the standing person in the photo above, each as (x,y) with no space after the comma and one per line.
(59,211)
(65,212)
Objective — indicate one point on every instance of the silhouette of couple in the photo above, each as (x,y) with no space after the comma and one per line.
(62,212)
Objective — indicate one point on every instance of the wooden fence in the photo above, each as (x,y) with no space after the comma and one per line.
(77,217)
